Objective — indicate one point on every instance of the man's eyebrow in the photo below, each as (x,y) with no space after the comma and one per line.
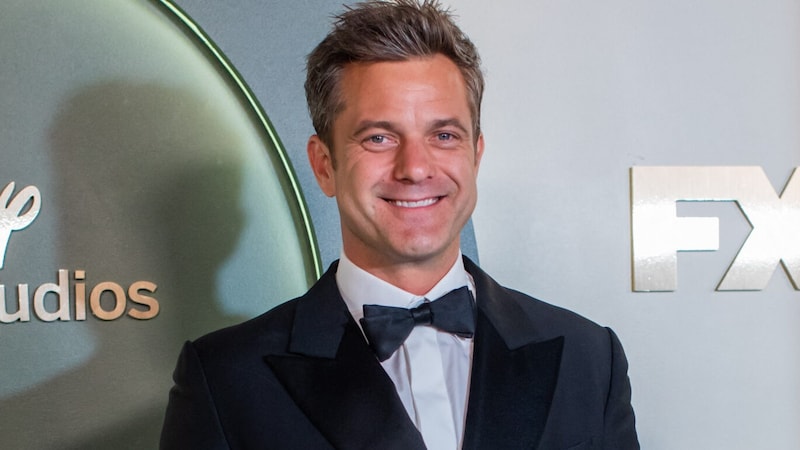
(452,122)
(368,124)
(389,126)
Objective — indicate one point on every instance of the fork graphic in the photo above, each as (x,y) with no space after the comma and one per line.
(14,215)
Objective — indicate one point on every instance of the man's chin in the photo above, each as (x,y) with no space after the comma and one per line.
(425,253)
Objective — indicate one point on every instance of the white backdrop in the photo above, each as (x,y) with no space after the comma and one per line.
(578,92)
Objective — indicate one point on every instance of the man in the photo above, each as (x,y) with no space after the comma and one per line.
(394,93)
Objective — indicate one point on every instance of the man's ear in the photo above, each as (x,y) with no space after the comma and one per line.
(478,152)
(319,156)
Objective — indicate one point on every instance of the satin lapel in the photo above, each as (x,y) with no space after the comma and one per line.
(510,391)
(333,376)
(514,373)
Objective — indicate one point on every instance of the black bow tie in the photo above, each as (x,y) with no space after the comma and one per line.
(387,327)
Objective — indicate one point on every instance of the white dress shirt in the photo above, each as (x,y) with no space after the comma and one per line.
(432,368)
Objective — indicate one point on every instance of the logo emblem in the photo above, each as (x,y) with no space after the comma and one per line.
(659,233)
(16,213)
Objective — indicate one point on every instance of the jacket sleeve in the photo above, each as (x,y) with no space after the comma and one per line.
(191,420)
(619,422)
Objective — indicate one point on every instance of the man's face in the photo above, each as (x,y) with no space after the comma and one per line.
(406,162)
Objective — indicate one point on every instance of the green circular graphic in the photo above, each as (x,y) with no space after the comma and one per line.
(167,208)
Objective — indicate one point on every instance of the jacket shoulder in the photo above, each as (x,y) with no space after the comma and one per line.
(557,317)
(523,318)
(270,332)
(266,333)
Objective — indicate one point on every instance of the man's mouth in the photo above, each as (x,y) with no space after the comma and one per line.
(415,203)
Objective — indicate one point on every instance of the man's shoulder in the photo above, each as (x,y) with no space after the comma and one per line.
(585,341)
(550,315)
(246,343)
(268,333)
(520,310)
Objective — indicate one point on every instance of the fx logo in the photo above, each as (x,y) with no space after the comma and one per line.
(658,233)
(16,213)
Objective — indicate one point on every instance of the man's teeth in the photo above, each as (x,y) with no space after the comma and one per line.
(416,204)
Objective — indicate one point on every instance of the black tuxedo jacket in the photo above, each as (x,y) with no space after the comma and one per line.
(301,376)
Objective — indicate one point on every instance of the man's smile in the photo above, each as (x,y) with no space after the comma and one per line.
(414,203)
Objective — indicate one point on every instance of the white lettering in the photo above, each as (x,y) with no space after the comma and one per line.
(62,294)
(23,313)
(657,232)
(104,295)
(16,213)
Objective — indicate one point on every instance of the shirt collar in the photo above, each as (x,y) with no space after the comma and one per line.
(359,287)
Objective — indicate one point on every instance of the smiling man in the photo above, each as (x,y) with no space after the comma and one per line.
(402,161)
(403,343)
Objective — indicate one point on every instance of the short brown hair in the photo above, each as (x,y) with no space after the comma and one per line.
(379,31)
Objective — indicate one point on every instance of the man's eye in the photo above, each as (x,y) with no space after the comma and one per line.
(444,136)
(379,142)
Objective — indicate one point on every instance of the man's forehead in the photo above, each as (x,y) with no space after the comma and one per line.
(437,76)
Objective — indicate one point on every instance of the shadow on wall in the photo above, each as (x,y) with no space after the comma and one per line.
(147,187)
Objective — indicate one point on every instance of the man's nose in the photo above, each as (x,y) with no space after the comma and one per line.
(413,162)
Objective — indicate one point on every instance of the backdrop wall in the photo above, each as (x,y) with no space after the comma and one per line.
(581,91)
(578,93)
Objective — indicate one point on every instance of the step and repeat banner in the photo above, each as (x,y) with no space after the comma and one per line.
(639,169)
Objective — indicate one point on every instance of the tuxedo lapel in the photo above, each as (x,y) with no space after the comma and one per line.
(514,372)
(510,391)
(336,380)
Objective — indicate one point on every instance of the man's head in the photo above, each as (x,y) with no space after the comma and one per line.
(383,31)
(394,92)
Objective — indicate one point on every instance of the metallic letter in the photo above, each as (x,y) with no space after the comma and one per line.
(23,313)
(658,233)
(61,290)
(11,216)
(119,300)
(136,296)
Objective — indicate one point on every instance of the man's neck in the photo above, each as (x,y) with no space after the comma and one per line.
(416,277)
